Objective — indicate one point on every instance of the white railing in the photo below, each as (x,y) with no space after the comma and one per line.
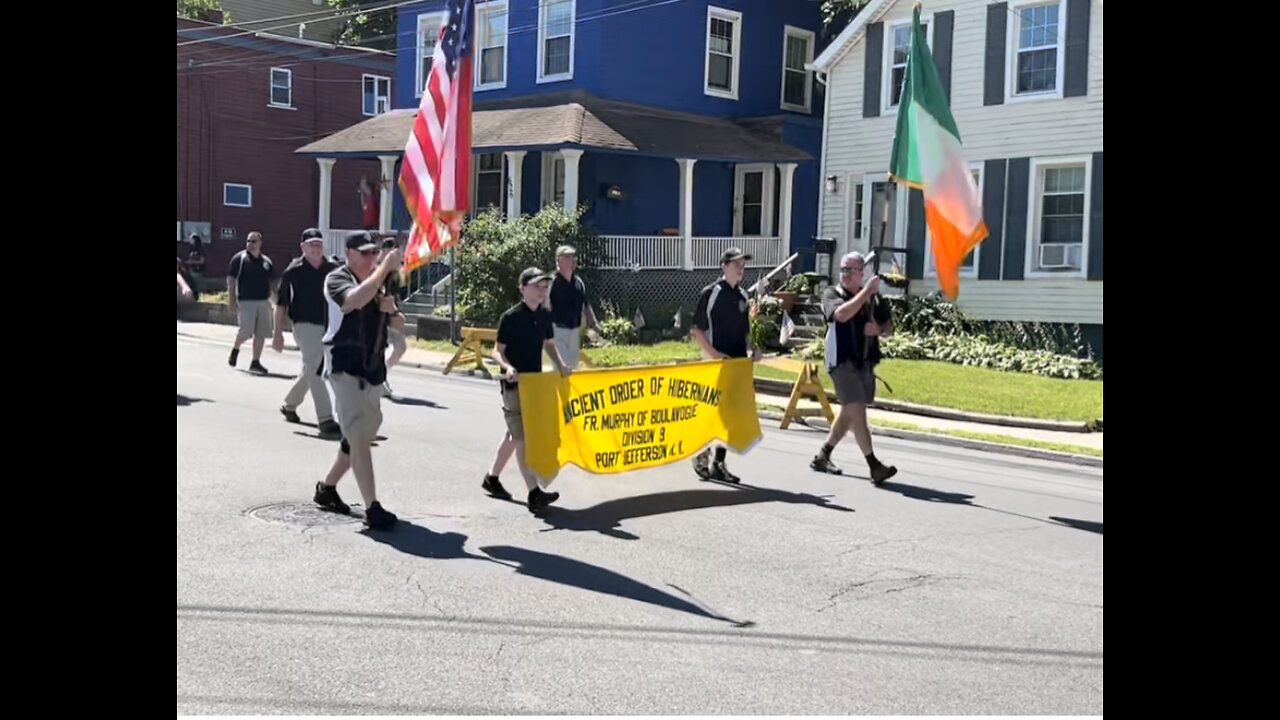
(764,251)
(651,252)
(643,251)
(335,242)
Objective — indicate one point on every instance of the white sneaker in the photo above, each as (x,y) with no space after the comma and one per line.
(386,389)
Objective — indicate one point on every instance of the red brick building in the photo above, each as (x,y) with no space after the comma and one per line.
(246,101)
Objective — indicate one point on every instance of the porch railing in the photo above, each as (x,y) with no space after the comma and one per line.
(652,252)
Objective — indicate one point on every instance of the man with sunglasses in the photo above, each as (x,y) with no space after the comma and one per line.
(359,317)
(855,323)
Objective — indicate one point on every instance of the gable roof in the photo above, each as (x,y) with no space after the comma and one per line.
(848,37)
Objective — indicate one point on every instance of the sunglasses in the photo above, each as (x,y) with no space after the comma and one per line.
(368,253)
(850,270)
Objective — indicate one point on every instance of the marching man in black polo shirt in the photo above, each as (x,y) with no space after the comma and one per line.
(722,329)
(524,332)
(355,366)
(249,294)
(302,298)
(569,306)
(854,329)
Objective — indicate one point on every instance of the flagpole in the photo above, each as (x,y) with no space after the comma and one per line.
(453,293)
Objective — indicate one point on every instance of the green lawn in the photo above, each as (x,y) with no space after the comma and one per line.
(924,382)
(928,382)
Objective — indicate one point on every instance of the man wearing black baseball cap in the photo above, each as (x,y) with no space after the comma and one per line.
(301,299)
(524,332)
(356,338)
(722,329)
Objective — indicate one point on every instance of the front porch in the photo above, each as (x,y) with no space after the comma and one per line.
(616,161)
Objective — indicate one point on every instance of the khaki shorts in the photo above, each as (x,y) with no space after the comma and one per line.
(511,411)
(255,319)
(854,385)
(357,406)
(569,344)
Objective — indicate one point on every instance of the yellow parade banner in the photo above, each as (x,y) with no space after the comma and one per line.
(624,419)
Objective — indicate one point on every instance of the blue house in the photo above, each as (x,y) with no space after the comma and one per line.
(682,126)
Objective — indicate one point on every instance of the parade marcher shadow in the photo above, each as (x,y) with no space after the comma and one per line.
(414,402)
(606,517)
(1086,525)
(275,375)
(184,401)
(927,494)
(422,542)
(575,573)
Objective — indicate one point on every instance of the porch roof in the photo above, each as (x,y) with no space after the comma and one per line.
(578,119)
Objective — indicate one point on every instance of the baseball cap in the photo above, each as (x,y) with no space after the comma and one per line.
(361,241)
(533,275)
(312,235)
(566,250)
(733,253)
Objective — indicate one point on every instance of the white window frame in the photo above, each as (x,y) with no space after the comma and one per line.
(549,160)
(886,64)
(475,181)
(809,37)
(900,199)
(768,189)
(855,224)
(1034,189)
(236,185)
(930,270)
(734,17)
(271,88)
(376,78)
(542,41)
(1011,53)
(482,9)
(426,18)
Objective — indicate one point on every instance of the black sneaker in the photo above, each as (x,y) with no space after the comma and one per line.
(256,367)
(721,473)
(880,473)
(377,518)
(700,464)
(539,499)
(289,415)
(235,355)
(327,498)
(822,463)
(329,428)
(493,486)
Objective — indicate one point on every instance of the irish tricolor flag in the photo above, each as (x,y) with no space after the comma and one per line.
(926,156)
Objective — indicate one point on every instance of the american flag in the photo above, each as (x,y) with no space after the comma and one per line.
(435,176)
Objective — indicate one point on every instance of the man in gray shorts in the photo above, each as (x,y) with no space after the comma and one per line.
(855,324)
(524,332)
(355,341)
(249,295)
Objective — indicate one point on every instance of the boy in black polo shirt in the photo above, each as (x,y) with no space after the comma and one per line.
(722,329)
(524,332)
(854,330)
(302,300)
(359,314)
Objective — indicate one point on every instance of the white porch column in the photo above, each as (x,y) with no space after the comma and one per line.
(384,202)
(571,158)
(515,175)
(326,191)
(788,171)
(686,208)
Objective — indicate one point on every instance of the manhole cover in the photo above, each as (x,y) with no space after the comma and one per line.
(305,514)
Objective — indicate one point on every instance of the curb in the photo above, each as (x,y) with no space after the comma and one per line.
(938,439)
